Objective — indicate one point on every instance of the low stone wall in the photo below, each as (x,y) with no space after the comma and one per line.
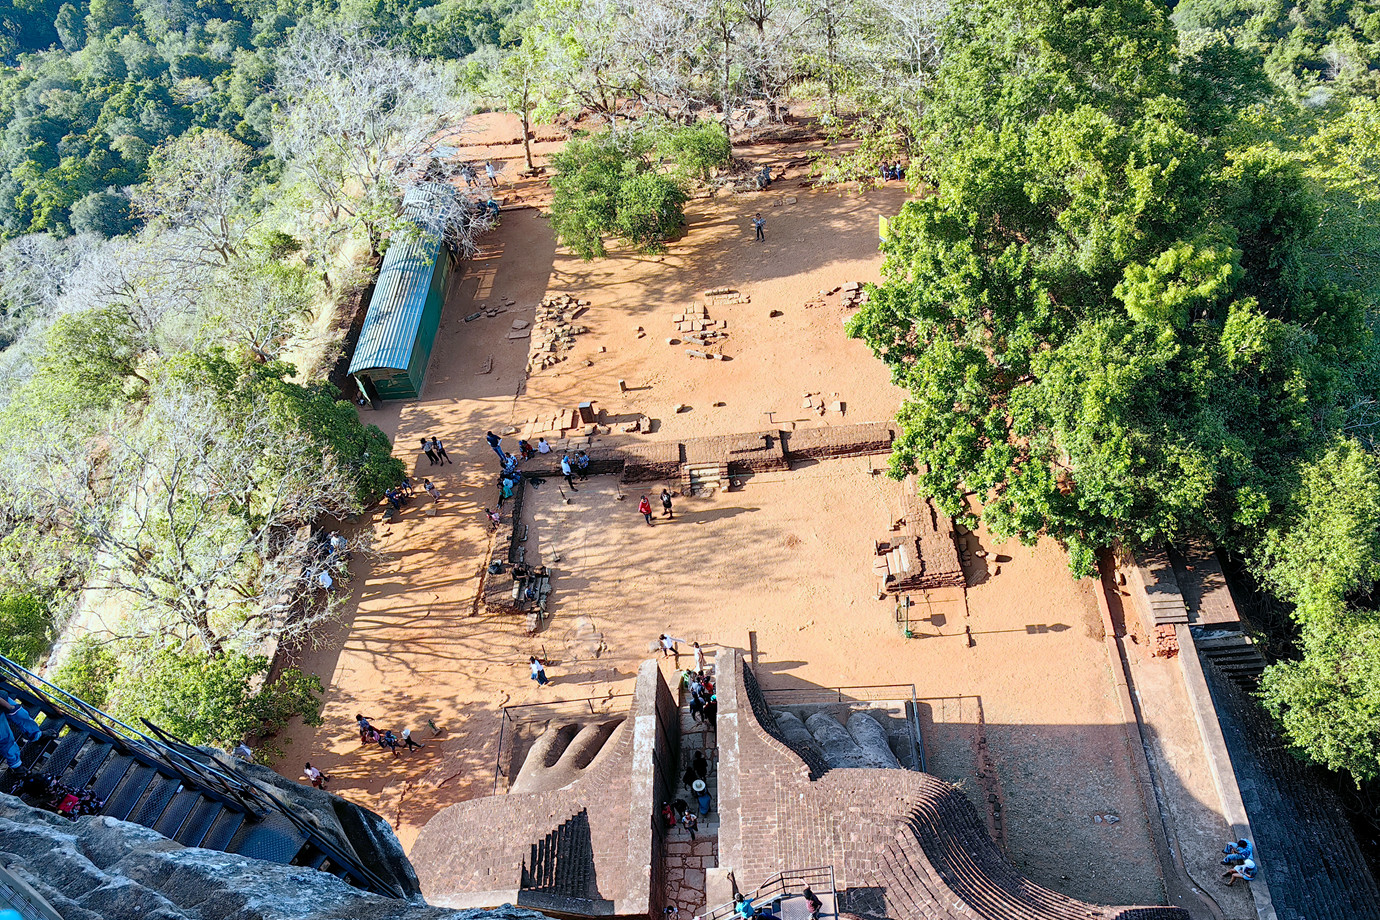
(839,441)
(753,452)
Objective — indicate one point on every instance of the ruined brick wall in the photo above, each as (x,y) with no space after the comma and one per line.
(839,441)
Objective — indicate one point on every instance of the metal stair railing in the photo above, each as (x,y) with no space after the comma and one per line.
(33,689)
(783,884)
(168,752)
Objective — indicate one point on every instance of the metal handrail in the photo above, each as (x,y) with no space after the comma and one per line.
(589,701)
(41,692)
(838,692)
(210,780)
(780,885)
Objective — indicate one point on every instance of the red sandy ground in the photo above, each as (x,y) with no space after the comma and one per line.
(787,556)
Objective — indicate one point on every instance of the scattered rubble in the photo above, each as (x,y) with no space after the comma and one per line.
(554,332)
(700,330)
(853,296)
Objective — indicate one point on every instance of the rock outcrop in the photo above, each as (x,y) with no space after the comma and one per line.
(99,868)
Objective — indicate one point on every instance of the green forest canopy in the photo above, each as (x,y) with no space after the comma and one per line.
(90,89)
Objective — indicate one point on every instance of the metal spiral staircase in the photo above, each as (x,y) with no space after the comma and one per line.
(180,791)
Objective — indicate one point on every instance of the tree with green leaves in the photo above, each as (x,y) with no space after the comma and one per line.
(1097,315)
(220,700)
(26,628)
(605,185)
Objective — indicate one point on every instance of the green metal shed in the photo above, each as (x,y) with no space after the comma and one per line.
(394,347)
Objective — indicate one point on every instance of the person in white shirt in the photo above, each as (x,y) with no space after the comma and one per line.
(326,580)
(542,446)
(318,779)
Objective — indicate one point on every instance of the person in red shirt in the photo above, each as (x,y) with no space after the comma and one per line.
(644,508)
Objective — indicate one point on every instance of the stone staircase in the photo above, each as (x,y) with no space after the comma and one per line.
(1234,653)
(695,736)
(698,478)
(559,874)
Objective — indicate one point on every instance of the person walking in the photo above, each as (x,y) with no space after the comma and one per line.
(318,779)
(491,173)
(582,464)
(495,518)
(568,472)
(496,445)
(699,658)
(440,450)
(430,454)
(431,490)
(668,645)
(390,741)
(538,671)
(700,766)
(813,902)
(644,508)
(407,740)
(16,726)
(365,728)
(711,712)
(690,822)
(666,504)
(758,224)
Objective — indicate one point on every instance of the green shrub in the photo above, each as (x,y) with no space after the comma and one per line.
(88,671)
(213,701)
(651,208)
(26,628)
(697,150)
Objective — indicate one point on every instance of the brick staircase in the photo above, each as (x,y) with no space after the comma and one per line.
(170,787)
(559,874)
(1307,848)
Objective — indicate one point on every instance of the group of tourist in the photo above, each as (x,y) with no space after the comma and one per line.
(1239,858)
(384,738)
(16,727)
(893,171)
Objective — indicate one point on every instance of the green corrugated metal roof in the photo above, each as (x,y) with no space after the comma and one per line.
(395,310)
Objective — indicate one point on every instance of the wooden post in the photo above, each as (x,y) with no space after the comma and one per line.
(752,647)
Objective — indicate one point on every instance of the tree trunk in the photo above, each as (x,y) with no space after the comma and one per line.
(527,135)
